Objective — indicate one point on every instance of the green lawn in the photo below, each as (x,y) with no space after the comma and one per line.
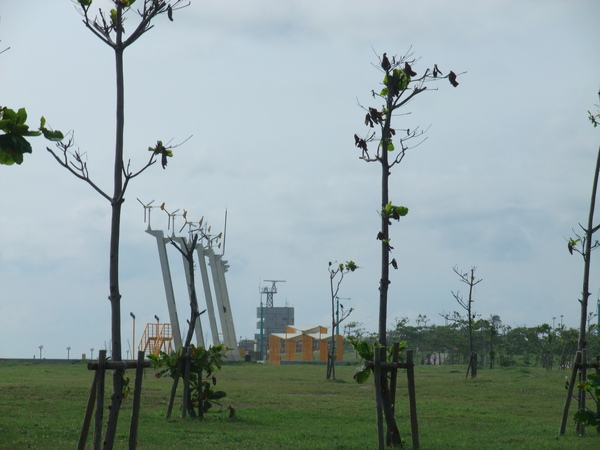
(294,407)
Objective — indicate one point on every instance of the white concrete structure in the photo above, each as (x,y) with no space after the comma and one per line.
(223,310)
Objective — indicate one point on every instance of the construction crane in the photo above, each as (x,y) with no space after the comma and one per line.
(269,292)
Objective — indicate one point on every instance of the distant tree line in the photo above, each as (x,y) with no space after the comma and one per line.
(496,344)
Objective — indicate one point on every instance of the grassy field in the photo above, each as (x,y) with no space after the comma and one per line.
(294,407)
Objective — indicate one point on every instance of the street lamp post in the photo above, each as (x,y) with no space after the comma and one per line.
(157,323)
(261,350)
(133,334)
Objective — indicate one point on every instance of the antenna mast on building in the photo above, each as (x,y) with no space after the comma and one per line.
(270,292)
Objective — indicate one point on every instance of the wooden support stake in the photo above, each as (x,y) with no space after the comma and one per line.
(563,422)
(582,393)
(394,372)
(200,401)
(186,383)
(87,419)
(180,368)
(99,400)
(118,365)
(172,397)
(412,399)
(378,399)
(137,398)
(387,365)
(598,404)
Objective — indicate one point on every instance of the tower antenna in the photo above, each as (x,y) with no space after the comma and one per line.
(271,291)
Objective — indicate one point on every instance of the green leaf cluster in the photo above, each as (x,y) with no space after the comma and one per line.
(51,135)
(126,387)
(587,417)
(163,151)
(395,82)
(160,149)
(389,145)
(367,353)
(13,144)
(391,211)
(203,361)
(350,266)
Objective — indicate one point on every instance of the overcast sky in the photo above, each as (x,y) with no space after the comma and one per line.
(270,91)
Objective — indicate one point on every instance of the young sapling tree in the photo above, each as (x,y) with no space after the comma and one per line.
(336,276)
(193,360)
(109,28)
(470,280)
(401,84)
(584,245)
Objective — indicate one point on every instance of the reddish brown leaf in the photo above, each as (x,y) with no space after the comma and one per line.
(385,63)
(452,79)
(409,70)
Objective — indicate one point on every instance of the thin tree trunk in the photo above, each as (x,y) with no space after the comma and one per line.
(585,294)
(385,250)
(331,348)
(117,201)
(386,401)
(471,353)
(186,352)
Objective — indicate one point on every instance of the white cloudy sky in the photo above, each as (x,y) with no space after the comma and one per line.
(269,91)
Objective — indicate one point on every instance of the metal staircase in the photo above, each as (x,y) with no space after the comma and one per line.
(157,337)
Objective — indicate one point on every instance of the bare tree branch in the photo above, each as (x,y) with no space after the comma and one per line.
(77,167)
